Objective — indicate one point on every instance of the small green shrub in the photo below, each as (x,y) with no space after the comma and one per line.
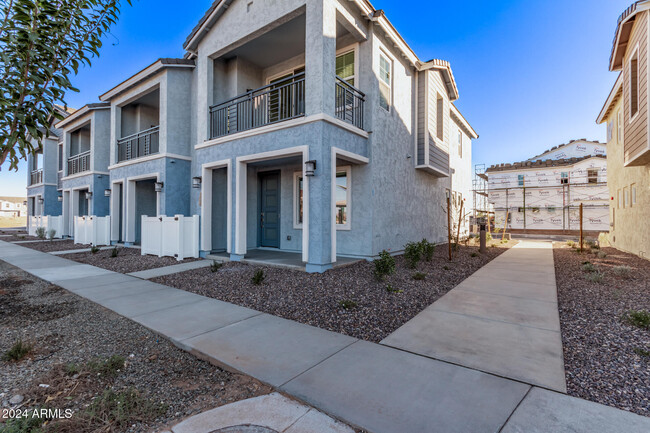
(391,289)
(412,254)
(258,277)
(601,254)
(115,252)
(595,277)
(94,249)
(40,232)
(215,266)
(419,276)
(347,304)
(71,369)
(446,268)
(51,234)
(474,254)
(638,318)
(107,367)
(18,351)
(30,423)
(488,237)
(504,241)
(122,409)
(642,352)
(589,267)
(384,265)
(571,244)
(622,271)
(428,248)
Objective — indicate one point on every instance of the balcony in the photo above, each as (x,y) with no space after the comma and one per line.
(79,163)
(137,145)
(36,177)
(264,106)
(349,103)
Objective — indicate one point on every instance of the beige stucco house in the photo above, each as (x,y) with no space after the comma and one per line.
(628,143)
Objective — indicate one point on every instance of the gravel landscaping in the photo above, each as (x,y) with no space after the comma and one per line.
(90,360)
(348,300)
(128,260)
(56,245)
(606,356)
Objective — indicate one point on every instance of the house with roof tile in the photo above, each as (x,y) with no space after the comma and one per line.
(342,143)
(545,193)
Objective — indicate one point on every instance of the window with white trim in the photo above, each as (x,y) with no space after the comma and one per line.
(345,67)
(626,197)
(342,197)
(592,175)
(619,126)
(564,177)
(460,143)
(618,198)
(610,128)
(633,192)
(385,81)
(440,117)
(634,84)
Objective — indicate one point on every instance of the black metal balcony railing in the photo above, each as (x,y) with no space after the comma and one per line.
(349,103)
(59,180)
(79,163)
(138,145)
(264,106)
(36,177)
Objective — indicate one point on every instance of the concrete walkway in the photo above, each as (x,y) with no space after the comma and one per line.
(503,319)
(173,269)
(372,386)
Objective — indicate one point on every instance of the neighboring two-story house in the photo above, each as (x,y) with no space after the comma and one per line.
(44,169)
(85,141)
(627,117)
(543,194)
(303,126)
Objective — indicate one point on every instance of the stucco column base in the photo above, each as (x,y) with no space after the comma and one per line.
(312,268)
(236,257)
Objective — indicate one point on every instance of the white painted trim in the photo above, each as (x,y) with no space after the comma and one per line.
(206,203)
(85,173)
(154,68)
(432,168)
(149,158)
(42,184)
(241,166)
(296,208)
(349,49)
(353,28)
(114,208)
(384,52)
(129,209)
(283,125)
(348,171)
(78,115)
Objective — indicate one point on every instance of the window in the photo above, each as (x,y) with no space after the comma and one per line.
(550,209)
(619,126)
(535,210)
(520,179)
(564,177)
(618,198)
(460,143)
(440,119)
(385,79)
(633,191)
(345,67)
(610,128)
(592,175)
(60,157)
(634,85)
(626,197)
(297,200)
(342,197)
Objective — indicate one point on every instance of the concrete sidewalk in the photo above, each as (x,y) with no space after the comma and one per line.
(503,319)
(375,387)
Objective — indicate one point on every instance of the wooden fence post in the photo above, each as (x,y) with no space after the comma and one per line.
(449,224)
(581,239)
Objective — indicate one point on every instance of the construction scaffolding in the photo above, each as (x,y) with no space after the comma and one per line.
(482,207)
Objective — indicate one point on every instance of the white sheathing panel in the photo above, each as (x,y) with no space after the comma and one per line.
(577,149)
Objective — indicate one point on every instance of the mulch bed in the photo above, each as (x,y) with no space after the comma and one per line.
(315,299)
(56,245)
(607,359)
(68,333)
(128,260)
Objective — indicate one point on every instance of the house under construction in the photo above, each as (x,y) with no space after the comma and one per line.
(544,194)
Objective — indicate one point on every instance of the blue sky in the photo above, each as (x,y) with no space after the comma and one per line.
(531,75)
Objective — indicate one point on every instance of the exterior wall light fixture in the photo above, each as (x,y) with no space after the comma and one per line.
(158,186)
(89,195)
(196,182)
(107,192)
(310,167)
(59,198)
(41,200)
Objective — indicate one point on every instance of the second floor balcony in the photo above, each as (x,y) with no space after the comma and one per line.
(36,177)
(278,102)
(79,163)
(137,145)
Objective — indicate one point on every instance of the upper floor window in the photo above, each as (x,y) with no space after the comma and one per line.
(460,143)
(60,157)
(634,85)
(520,179)
(345,67)
(633,193)
(385,80)
(440,126)
(626,197)
(564,177)
(618,198)
(619,126)
(592,175)
(610,128)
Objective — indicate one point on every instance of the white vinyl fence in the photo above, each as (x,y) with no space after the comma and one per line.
(176,236)
(48,223)
(92,230)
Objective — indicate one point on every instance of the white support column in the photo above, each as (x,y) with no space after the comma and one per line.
(129,211)
(241,178)
(206,209)
(65,213)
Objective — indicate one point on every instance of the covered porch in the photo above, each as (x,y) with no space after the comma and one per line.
(278,258)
